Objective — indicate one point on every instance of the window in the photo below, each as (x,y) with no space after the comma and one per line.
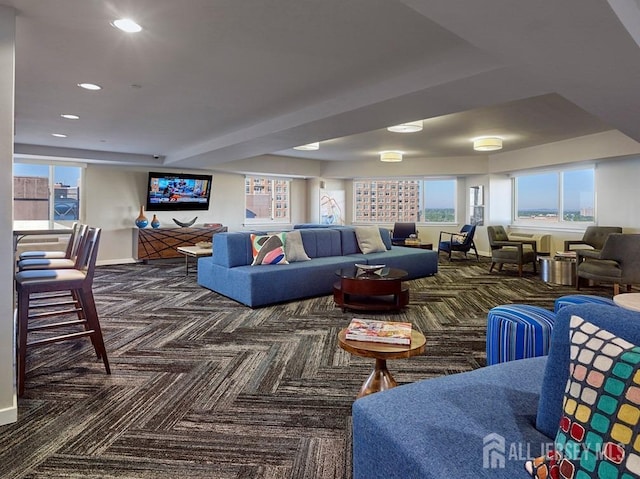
(266,200)
(417,200)
(46,192)
(558,197)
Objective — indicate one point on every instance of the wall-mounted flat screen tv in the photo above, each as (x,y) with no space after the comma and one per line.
(178,191)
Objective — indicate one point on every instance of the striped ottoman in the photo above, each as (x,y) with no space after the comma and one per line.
(518,331)
(580,299)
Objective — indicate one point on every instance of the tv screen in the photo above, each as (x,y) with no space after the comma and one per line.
(178,191)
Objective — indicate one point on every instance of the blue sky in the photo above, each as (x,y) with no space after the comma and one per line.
(67,175)
(541,190)
(440,194)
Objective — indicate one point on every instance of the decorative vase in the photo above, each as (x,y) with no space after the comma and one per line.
(155,222)
(141,220)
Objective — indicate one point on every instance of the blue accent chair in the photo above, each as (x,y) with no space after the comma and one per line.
(402,231)
(462,241)
(571,299)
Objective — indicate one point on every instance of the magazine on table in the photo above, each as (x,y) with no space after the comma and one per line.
(392,332)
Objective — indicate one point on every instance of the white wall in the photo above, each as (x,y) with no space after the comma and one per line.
(618,200)
(114,195)
(8,404)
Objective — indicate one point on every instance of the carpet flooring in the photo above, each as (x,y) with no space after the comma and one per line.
(203,387)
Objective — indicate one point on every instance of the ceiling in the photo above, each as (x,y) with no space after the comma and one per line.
(208,82)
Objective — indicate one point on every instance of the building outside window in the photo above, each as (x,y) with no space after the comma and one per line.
(404,200)
(46,192)
(555,198)
(266,200)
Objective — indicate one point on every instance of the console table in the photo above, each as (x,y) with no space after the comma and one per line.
(162,243)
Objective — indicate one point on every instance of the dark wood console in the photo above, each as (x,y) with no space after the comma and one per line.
(161,243)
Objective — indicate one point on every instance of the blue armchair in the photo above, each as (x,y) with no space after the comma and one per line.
(462,241)
(402,231)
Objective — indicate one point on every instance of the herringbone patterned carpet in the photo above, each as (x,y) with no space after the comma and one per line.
(203,387)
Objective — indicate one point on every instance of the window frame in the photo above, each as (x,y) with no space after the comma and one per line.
(386,198)
(278,197)
(51,166)
(560,223)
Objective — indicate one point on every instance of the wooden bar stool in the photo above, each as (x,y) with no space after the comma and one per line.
(79,282)
(51,261)
(68,253)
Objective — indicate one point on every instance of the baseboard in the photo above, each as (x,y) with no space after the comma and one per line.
(109,262)
(9,415)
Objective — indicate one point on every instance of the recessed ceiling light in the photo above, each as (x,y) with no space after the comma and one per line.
(409,127)
(59,135)
(308,147)
(89,86)
(127,25)
(68,116)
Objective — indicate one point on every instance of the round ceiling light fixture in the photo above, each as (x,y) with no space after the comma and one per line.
(391,156)
(487,143)
(90,86)
(308,147)
(127,25)
(410,127)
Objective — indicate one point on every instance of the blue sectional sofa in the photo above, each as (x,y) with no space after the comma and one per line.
(229,271)
(483,423)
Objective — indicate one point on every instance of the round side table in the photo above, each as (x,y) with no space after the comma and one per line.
(380,378)
(628,301)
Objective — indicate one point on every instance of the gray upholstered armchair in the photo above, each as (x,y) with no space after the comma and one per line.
(618,262)
(594,236)
(504,250)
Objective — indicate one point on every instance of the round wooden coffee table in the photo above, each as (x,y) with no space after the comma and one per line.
(381,379)
(371,291)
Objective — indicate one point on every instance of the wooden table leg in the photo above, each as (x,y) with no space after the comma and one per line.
(379,380)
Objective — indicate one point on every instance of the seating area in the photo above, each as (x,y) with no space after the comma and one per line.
(49,287)
(233,272)
(247,180)
(461,241)
(505,250)
(481,415)
(618,262)
(592,241)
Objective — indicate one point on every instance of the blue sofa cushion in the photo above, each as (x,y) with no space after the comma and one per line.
(571,299)
(448,426)
(618,321)
(321,242)
(232,249)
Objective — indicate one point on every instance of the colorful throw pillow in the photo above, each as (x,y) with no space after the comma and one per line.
(294,248)
(369,239)
(599,433)
(268,249)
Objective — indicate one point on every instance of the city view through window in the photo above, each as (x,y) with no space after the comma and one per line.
(266,200)
(46,192)
(567,196)
(411,200)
